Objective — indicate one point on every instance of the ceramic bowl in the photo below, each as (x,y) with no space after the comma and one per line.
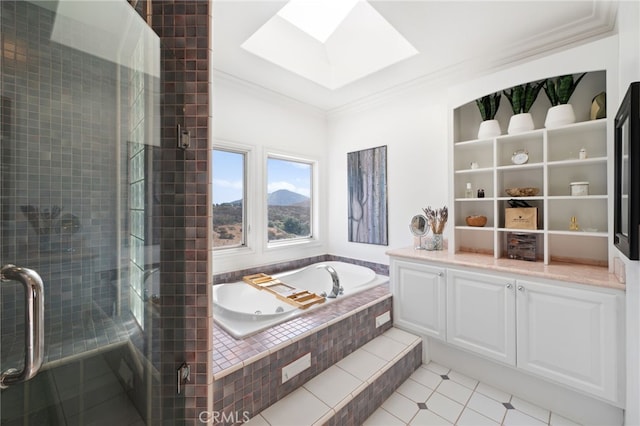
(478,221)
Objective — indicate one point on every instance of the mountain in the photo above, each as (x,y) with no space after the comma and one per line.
(285,197)
(281,197)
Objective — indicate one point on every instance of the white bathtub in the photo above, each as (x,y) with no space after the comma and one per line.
(243,310)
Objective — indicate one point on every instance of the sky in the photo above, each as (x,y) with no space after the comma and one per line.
(282,174)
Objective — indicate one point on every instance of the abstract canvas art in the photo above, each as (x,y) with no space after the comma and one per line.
(367,180)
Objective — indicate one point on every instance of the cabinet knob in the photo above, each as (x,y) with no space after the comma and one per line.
(509,285)
(520,288)
(441,274)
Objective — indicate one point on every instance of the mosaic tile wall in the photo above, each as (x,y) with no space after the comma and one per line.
(184,216)
(248,372)
(295,264)
(64,119)
(59,115)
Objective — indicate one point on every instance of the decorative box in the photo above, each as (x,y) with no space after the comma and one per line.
(521,218)
(521,246)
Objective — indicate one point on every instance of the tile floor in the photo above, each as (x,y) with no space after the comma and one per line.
(432,395)
(437,395)
(81,392)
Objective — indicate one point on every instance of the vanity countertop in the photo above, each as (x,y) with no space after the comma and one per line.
(582,274)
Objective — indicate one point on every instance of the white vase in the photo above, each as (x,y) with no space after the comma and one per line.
(559,115)
(489,129)
(520,123)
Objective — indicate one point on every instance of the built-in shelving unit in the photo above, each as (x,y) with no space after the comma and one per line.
(552,165)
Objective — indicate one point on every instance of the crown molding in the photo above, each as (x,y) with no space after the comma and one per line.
(263,92)
(601,23)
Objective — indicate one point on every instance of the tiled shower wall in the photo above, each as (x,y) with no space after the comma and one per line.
(186,320)
(34,104)
(59,111)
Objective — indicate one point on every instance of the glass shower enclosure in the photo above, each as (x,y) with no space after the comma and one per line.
(79,252)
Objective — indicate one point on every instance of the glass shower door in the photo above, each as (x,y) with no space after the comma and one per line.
(79,109)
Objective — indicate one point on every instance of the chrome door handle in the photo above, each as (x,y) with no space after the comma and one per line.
(34,319)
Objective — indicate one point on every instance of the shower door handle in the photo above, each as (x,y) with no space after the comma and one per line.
(34,319)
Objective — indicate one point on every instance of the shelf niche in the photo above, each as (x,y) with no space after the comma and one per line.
(552,165)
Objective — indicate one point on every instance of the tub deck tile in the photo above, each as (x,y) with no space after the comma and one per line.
(229,352)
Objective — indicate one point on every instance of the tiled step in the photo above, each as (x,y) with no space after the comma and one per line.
(349,391)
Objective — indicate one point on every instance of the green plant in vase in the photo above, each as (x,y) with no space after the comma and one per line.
(488,106)
(521,99)
(559,91)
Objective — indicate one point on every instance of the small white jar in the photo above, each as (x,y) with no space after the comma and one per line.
(579,188)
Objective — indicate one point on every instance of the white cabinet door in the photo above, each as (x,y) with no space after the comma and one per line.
(481,314)
(571,336)
(418,297)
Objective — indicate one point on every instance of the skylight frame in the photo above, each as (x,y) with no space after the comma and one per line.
(318,19)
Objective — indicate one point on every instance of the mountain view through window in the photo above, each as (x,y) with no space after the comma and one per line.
(289,188)
(288,199)
(228,198)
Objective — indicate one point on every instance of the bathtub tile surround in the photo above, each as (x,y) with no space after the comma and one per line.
(337,397)
(248,372)
(276,268)
(244,310)
(229,353)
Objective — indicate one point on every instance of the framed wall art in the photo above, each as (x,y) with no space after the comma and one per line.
(367,187)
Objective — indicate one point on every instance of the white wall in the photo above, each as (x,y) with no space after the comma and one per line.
(417,128)
(413,127)
(629,38)
(629,48)
(251,117)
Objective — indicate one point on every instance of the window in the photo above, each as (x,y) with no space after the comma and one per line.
(229,198)
(288,199)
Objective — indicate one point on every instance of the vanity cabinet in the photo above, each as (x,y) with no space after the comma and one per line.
(570,335)
(567,333)
(419,297)
(481,314)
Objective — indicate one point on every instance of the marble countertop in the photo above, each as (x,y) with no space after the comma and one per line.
(575,273)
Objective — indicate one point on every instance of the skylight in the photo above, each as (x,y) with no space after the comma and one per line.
(330,42)
(319,19)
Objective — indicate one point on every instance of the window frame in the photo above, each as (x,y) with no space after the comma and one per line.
(247,207)
(313,238)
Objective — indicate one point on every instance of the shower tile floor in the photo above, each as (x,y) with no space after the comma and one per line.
(79,393)
(432,395)
(95,333)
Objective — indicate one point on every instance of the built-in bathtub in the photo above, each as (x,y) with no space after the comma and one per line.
(242,310)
